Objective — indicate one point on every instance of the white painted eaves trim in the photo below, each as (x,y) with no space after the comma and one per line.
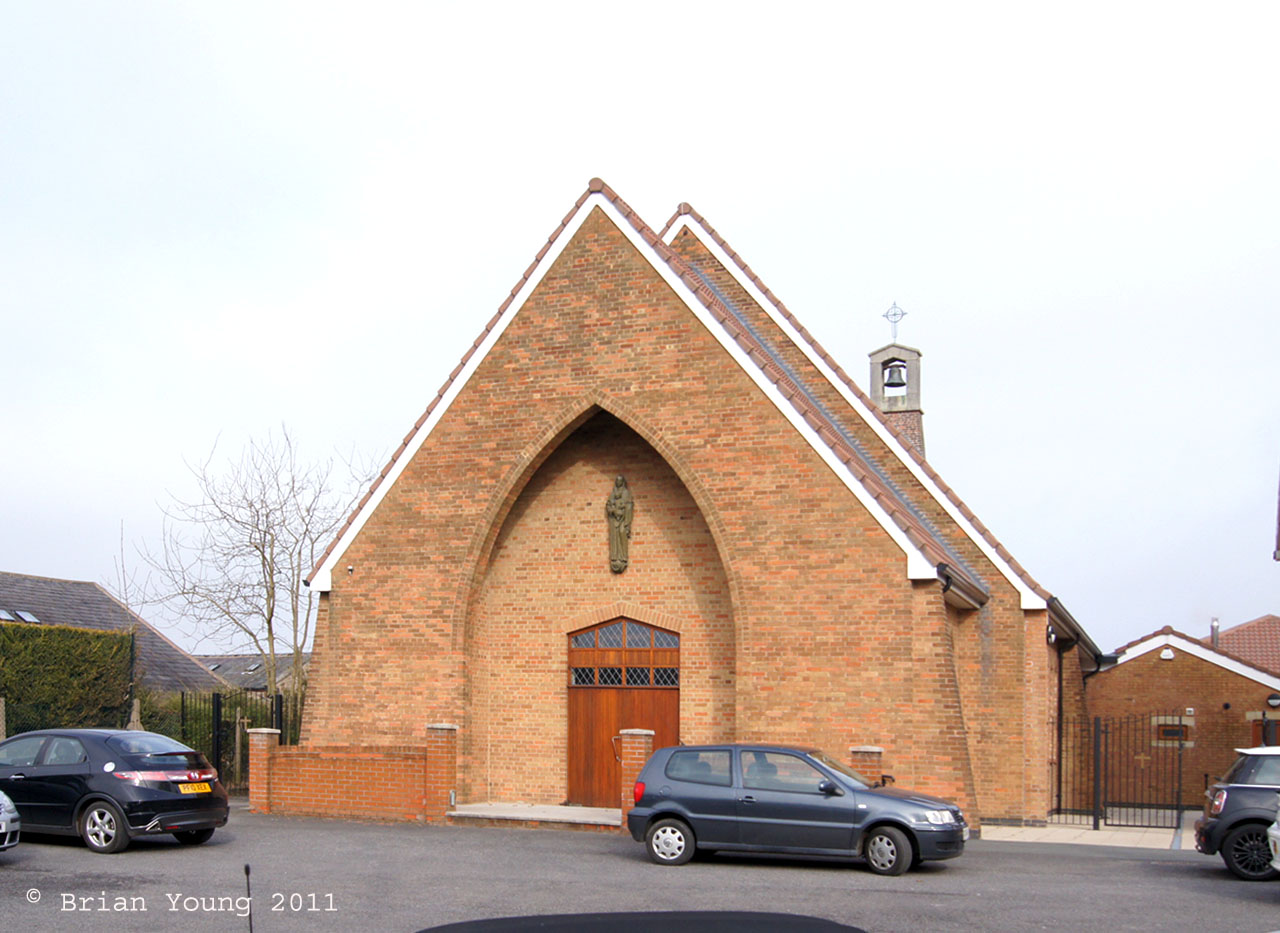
(918,565)
(1028,597)
(1201,651)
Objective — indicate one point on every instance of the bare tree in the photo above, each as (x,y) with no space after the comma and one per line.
(232,562)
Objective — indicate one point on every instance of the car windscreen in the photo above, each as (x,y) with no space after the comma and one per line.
(857,779)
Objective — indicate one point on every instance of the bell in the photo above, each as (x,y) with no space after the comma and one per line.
(895,375)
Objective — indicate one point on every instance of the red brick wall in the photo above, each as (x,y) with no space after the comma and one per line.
(1150,685)
(797,620)
(409,783)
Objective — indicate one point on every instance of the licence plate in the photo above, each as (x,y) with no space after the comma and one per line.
(965,834)
(201,788)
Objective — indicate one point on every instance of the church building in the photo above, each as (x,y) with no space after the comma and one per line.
(646,498)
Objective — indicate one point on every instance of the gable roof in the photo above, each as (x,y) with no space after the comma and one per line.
(686,217)
(1168,637)
(1256,641)
(162,665)
(928,554)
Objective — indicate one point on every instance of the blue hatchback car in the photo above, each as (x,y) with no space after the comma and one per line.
(769,798)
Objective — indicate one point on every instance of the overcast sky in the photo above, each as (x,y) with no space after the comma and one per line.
(218,218)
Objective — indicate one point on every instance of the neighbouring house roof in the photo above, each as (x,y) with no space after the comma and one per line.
(248,671)
(1168,637)
(928,553)
(161,665)
(1256,641)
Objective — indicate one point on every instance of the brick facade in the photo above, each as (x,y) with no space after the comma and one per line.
(797,619)
(1226,706)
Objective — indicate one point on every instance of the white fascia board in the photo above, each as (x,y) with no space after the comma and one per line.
(1201,651)
(918,565)
(1029,599)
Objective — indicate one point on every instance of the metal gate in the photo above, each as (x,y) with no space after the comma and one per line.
(217,723)
(1120,771)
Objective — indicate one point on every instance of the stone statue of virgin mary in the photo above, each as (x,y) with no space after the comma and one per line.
(619,509)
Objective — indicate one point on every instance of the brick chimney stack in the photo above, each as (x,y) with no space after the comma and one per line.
(895,388)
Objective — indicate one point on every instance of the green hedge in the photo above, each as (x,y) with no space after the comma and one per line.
(55,676)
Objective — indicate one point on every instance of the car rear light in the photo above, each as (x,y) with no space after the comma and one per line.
(170,777)
(1219,801)
(639,791)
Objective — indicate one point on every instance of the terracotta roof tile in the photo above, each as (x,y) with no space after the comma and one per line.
(1255,642)
(1226,651)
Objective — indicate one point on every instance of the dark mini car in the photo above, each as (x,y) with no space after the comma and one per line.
(1237,812)
(108,785)
(768,798)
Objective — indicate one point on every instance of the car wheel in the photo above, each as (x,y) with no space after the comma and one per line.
(194,837)
(888,851)
(1246,853)
(670,842)
(102,827)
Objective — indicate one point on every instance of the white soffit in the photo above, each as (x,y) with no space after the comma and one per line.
(1201,651)
(1029,598)
(918,565)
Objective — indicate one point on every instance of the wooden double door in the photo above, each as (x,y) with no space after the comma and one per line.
(623,674)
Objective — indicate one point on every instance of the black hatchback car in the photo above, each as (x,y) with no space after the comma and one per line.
(768,798)
(1240,807)
(108,786)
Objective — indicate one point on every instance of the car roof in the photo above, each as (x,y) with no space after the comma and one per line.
(82,733)
(1260,750)
(748,746)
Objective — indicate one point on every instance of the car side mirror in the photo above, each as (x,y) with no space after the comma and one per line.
(885,781)
(830,788)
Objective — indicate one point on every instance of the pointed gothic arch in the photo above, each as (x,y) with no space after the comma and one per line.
(542,571)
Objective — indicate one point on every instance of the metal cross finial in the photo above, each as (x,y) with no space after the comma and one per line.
(893,316)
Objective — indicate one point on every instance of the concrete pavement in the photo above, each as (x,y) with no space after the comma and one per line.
(516,814)
(1139,837)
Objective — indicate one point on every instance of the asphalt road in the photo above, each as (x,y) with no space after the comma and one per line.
(321,875)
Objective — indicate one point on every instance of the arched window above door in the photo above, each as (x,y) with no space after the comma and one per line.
(624,653)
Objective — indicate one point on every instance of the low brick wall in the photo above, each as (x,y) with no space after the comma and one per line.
(344,781)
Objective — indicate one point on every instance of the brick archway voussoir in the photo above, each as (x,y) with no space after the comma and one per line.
(610,611)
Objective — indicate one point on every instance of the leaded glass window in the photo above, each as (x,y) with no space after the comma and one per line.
(624,653)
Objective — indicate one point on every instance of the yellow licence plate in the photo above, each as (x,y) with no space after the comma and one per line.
(201,788)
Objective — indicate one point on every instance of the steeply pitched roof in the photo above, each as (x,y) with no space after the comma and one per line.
(1256,641)
(161,664)
(928,553)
